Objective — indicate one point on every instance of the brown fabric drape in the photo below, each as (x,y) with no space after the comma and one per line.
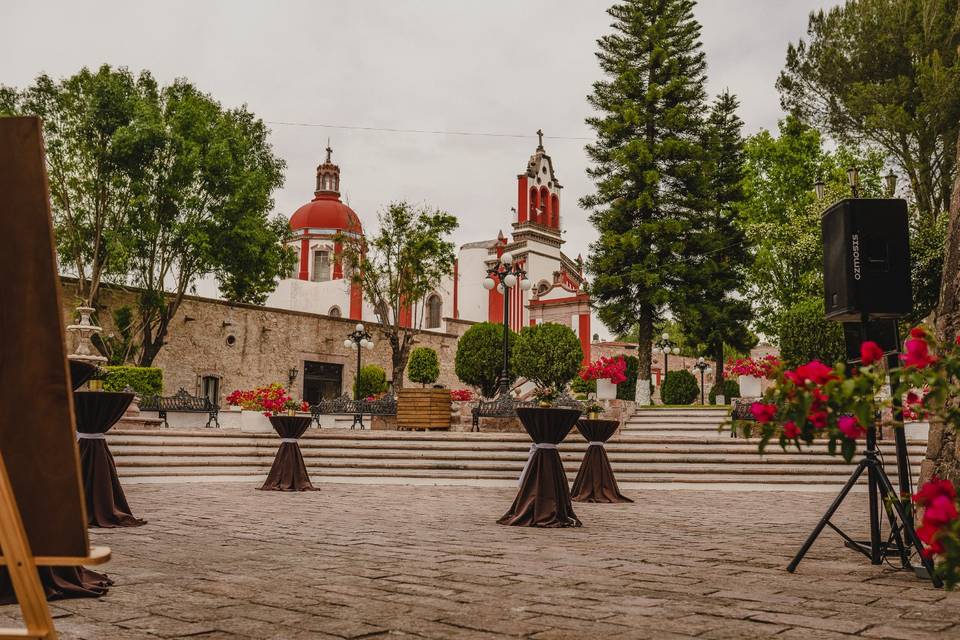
(595,481)
(289,473)
(60,583)
(544,496)
(107,506)
(80,372)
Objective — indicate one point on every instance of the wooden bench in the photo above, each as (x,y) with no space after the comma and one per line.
(181,402)
(345,406)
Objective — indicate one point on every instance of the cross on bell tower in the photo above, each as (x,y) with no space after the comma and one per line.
(328,175)
(540,139)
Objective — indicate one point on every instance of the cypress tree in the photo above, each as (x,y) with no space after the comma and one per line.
(646,164)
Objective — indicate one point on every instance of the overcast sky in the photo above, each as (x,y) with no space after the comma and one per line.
(492,67)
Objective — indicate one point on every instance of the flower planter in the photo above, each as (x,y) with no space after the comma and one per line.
(254,422)
(423,409)
(606,390)
(750,387)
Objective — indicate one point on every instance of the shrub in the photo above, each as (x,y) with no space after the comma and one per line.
(730,389)
(145,381)
(371,381)
(679,387)
(423,366)
(579,385)
(548,354)
(628,390)
(804,335)
(479,358)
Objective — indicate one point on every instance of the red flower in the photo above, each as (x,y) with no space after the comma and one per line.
(870,352)
(818,419)
(918,354)
(850,427)
(763,412)
(918,332)
(940,511)
(934,488)
(814,371)
(791,430)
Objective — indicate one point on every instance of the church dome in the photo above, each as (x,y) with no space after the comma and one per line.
(325,211)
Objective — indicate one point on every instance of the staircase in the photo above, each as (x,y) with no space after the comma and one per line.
(658,448)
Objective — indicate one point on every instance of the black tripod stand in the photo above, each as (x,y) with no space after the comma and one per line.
(879,486)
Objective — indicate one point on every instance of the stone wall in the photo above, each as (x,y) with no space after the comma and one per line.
(248,345)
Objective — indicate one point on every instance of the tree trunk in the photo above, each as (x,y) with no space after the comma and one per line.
(943,446)
(718,363)
(644,347)
(400,344)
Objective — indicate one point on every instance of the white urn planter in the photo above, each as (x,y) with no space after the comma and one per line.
(606,390)
(254,421)
(749,387)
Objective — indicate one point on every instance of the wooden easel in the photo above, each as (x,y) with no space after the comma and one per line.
(42,508)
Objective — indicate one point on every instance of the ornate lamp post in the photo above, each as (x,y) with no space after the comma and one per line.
(666,346)
(701,365)
(358,340)
(853,178)
(505,275)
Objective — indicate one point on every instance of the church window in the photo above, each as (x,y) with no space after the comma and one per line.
(321,266)
(533,204)
(434,311)
(542,287)
(555,201)
(335,312)
(295,269)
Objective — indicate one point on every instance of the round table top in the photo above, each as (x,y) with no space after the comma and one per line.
(290,426)
(597,430)
(80,372)
(547,424)
(97,411)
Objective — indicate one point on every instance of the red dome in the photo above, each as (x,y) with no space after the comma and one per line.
(326,212)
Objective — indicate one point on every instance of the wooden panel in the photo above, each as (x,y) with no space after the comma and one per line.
(37,434)
(423,409)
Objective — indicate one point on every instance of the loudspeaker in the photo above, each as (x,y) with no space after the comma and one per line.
(884,332)
(866,260)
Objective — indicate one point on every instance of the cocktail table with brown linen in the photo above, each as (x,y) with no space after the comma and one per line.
(289,473)
(96,412)
(544,496)
(595,481)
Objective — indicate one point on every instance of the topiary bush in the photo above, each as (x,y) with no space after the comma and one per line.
(804,335)
(679,387)
(423,366)
(581,386)
(548,354)
(371,381)
(729,388)
(479,358)
(628,390)
(145,381)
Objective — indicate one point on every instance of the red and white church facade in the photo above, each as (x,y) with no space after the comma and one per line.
(318,284)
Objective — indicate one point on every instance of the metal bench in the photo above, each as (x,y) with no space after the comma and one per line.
(505,406)
(345,406)
(181,402)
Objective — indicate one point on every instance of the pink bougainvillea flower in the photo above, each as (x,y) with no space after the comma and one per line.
(791,430)
(918,354)
(763,412)
(913,398)
(934,488)
(918,333)
(850,427)
(870,352)
(814,371)
(818,419)
(941,511)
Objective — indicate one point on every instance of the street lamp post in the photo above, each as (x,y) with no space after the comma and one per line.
(357,340)
(701,366)
(505,275)
(666,346)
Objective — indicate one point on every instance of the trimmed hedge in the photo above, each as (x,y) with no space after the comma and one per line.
(371,381)
(628,390)
(548,354)
(479,358)
(730,389)
(804,335)
(679,387)
(579,385)
(423,366)
(145,381)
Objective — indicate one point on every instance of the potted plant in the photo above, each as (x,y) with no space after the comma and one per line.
(423,408)
(546,396)
(608,372)
(593,410)
(751,373)
(260,403)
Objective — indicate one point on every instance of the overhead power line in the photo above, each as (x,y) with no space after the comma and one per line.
(437,132)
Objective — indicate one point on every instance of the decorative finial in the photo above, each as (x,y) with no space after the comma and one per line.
(502,238)
(329,151)
(540,136)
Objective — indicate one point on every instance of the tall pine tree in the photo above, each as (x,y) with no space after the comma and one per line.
(647,164)
(709,305)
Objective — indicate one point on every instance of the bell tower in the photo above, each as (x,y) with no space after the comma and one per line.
(328,176)
(538,192)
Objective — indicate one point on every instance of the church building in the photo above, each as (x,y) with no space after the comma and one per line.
(318,284)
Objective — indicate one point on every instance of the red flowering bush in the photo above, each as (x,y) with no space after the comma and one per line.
(461,395)
(940,528)
(613,369)
(764,367)
(269,399)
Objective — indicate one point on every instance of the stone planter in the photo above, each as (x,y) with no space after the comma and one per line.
(750,387)
(423,409)
(254,422)
(606,390)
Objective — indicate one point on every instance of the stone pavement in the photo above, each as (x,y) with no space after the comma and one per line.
(226,561)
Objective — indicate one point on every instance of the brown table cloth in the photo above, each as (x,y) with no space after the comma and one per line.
(595,481)
(288,472)
(544,496)
(60,583)
(97,411)
(80,372)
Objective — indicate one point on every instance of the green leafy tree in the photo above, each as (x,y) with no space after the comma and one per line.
(479,358)
(424,366)
(398,267)
(711,306)
(647,163)
(547,354)
(119,345)
(804,335)
(370,381)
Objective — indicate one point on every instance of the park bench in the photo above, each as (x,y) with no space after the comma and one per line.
(505,406)
(181,402)
(345,406)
